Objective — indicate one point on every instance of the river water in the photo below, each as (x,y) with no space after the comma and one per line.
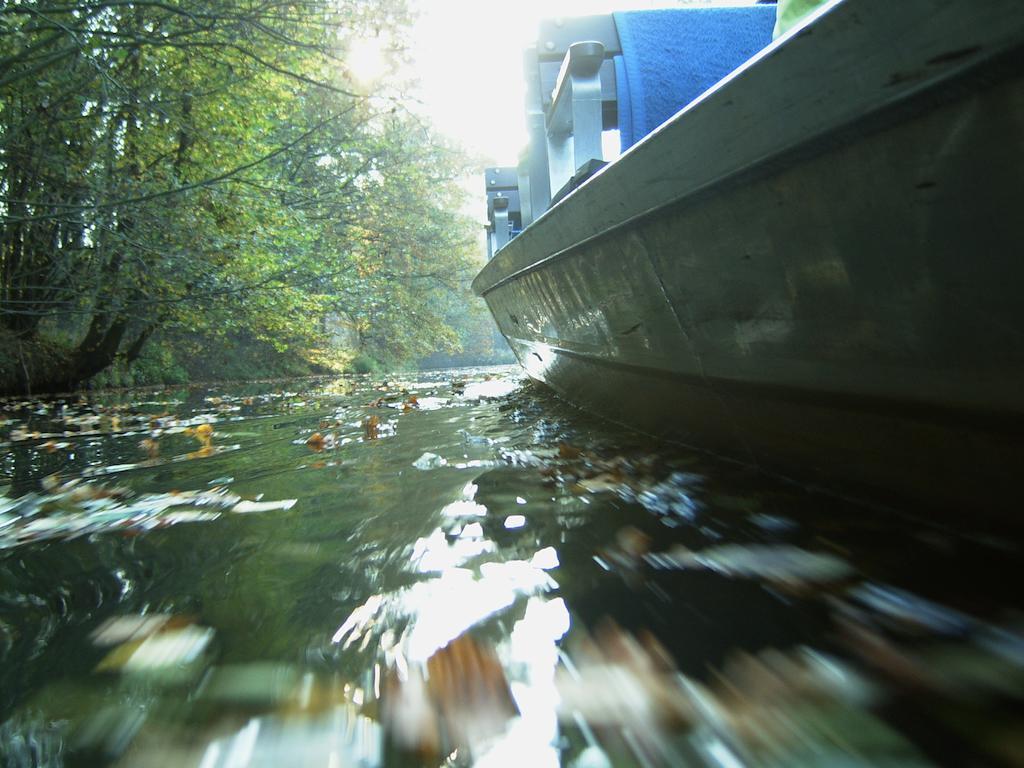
(455,568)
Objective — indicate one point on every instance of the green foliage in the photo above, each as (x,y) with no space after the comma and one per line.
(209,168)
(240,357)
(186,359)
(363,363)
(22,362)
(157,364)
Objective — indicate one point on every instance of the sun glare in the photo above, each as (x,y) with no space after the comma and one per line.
(368,60)
(468,59)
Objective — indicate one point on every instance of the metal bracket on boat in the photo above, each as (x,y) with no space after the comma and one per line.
(575,120)
(500,222)
(504,208)
(535,164)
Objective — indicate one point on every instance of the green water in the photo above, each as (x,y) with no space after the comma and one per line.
(600,599)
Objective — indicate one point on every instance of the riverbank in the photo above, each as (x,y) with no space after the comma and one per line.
(29,368)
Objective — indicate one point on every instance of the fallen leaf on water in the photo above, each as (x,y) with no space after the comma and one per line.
(429,461)
(620,679)
(600,483)
(254,684)
(632,541)
(263,506)
(779,564)
(467,682)
(186,516)
(150,446)
(463,700)
(163,421)
(76,491)
(566,451)
(50,483)
(170,650)
(204,434)
(906,611)
(75,509)
(121,629)
(371,426)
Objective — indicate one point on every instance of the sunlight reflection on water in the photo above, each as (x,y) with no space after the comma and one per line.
(491,388)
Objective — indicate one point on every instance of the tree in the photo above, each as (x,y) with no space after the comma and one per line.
(200,165)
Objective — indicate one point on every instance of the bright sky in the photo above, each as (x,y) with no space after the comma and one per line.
(468,56)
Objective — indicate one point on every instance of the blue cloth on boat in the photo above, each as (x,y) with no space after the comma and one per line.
(670,57)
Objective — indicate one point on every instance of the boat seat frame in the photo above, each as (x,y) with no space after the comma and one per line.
(572,98)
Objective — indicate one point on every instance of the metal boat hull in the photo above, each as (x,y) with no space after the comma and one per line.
(815,269)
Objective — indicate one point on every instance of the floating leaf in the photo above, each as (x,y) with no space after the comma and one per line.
(170,650)
(151,447)
(780,564)
(429,461)
(263,506)
(75,508)
(258,684)
(566,451)
(121,629)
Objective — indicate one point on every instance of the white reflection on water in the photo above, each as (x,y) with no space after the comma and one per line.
(338,737)
(545,559)
(493,388)
(443,607)
(531,737)
(434,553)
(464,508)
(446,607)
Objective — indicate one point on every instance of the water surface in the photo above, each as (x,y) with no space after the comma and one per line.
(456,568)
